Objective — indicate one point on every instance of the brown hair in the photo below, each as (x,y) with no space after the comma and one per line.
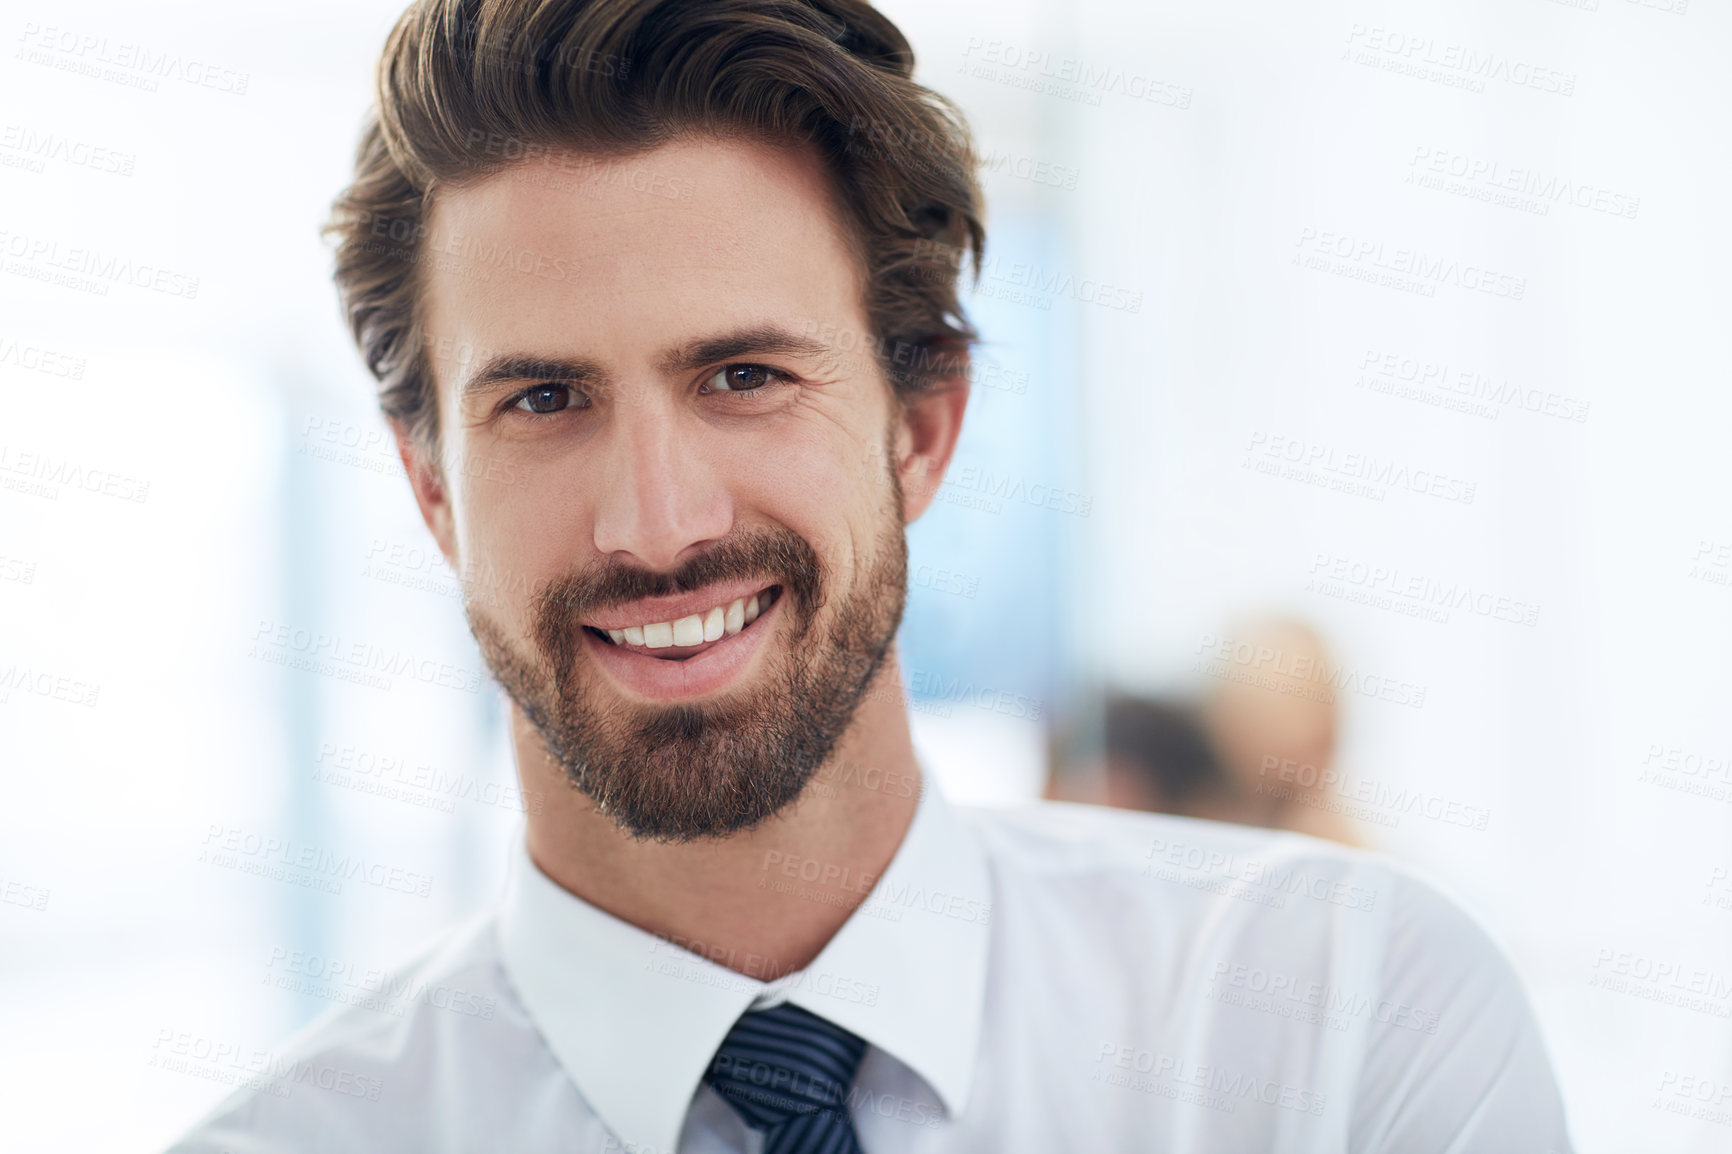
(468,87)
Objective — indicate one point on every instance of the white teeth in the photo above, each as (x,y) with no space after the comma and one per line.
(689,630)
(695,629)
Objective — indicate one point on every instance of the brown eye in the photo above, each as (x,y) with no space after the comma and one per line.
(741,378)
(545,399)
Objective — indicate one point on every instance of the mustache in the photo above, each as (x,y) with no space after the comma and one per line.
(776,556)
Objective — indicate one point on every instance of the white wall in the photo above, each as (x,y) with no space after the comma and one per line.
(241,416)
(1269,134)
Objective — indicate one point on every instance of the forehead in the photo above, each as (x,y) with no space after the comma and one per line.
(619,259)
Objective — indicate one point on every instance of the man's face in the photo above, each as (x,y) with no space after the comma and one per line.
(670,470)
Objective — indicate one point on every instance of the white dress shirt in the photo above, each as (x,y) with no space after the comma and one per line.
(1047,978)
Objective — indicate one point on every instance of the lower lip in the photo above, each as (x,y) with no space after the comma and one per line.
(660,679)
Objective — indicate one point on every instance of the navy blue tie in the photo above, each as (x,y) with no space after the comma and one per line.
(786,1072)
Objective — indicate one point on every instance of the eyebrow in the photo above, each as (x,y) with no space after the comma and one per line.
(507,367)
(771,340)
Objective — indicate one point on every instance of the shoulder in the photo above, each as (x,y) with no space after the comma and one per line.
(1055,841)
(1215,905)
(1456,1060)
(1276,942)
(1194,869)
(358,1075)
(1192,899)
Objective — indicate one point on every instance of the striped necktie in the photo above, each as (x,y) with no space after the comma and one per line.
(786,1071)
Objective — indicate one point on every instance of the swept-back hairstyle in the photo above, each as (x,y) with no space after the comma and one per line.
(468,87)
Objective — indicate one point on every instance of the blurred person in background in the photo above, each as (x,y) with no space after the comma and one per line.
(1276,732)
(1133,752)
(662,298)
(1254,755)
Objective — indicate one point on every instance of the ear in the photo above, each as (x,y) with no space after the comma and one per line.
(427,481)
(926,436)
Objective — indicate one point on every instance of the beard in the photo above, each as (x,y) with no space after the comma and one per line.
(706,769)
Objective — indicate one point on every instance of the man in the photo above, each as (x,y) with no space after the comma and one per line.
(662,299)
(1135,752)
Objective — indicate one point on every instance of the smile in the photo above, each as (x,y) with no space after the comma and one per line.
(680,637)
(691,645)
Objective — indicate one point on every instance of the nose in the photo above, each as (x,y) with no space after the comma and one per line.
(661,498)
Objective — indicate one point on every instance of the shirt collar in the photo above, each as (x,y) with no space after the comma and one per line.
(635,1019)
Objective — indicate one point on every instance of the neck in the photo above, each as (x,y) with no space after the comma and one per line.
(763,902)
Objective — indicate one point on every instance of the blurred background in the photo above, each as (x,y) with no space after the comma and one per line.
(1348,451)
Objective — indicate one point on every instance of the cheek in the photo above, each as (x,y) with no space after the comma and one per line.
(512,536)
(830,453)
(833,491)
